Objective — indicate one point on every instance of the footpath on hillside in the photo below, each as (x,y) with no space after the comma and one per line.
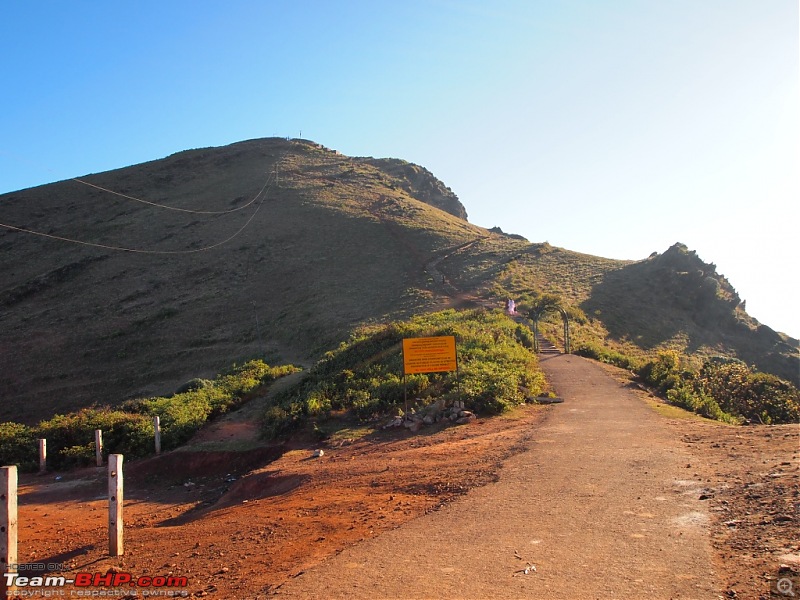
(599,505)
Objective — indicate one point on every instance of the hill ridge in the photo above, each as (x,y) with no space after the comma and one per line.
(337,243)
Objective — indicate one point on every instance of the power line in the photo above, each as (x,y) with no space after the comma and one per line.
(164,206)
(135,199)
(141,251)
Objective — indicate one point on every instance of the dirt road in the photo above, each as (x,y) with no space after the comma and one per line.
(601,494)
(600,504)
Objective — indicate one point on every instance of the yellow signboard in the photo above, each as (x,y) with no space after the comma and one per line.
(429,354)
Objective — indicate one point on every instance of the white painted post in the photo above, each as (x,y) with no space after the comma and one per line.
(157,428)
(98,446)
(8,526)
(115,523)
(42,455)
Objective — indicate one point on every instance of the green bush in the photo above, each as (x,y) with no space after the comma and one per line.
(183,414)
(364,375)
(725,389)
(123,433)
(757,397)
(18,446)
(129,430)
(686,396)
(76,456)
(611,357)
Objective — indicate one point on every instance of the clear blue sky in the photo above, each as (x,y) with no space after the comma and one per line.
(614,127)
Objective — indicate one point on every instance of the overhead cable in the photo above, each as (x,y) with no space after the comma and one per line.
(144,251)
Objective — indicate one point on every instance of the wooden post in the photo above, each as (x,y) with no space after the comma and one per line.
(8,525)
(157,429)
(98,446)
(42,455)
(115,523)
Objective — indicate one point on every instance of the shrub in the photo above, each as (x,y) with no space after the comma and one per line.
(193,385)
(757,397)
(123,433)
(605,355)
(688,397)
(129,429)
(364,375)
(724,389)
(18,446)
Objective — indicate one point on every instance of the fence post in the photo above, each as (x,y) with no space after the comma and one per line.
(42,455)
(157,428)
(8,526)
(98,446)
(115,523)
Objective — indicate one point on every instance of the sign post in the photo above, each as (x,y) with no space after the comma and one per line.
(428,355)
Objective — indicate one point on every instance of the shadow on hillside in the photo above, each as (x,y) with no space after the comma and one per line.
(648,305)
(676,296)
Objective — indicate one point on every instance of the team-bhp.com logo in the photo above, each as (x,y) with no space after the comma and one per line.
(88,584)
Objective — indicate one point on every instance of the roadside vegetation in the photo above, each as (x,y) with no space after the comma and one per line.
(722,388)
(363,377)
(704,381)
(128,428)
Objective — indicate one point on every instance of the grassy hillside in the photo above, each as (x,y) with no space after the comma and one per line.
(335,242)
(670,301)
(320,244)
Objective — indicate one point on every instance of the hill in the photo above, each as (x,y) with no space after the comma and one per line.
(279,248)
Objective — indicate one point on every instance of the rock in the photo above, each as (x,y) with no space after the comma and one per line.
(396,422)
(548,400)
(428,420)
(318,453)
(465,420)
(436,407)
(465,413)
(415,426)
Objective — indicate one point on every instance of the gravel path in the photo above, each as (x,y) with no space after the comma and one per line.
(600,503)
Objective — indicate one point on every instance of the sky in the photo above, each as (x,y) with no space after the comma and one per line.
(615,128)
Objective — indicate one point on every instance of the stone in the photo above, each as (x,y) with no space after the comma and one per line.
(396,422)
(428,420)
(436,407)
(465,420)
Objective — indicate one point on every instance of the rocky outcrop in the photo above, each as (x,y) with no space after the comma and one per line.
(421,184)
